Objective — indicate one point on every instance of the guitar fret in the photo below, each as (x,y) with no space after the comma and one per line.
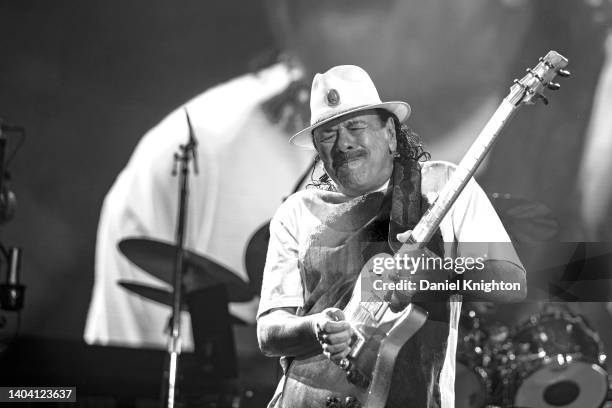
(430,221)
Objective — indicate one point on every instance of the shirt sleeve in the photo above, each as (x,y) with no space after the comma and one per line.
(281,285)
(478,229)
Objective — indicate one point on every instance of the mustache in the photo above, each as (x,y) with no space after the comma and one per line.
(342,157)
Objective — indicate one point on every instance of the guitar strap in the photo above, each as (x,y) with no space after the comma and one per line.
(407,204)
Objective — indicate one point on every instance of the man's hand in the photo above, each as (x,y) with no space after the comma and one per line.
(414,266)
(333,333)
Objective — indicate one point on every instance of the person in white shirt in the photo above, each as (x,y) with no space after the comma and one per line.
(317,241)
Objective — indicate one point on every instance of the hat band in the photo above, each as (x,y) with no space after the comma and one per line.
(339,113)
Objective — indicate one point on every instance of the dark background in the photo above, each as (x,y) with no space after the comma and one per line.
(87,80)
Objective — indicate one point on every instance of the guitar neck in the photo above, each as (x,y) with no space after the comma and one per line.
(527,90)
(430,221)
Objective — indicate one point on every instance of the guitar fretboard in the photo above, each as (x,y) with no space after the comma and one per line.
(525,91)
(430,221)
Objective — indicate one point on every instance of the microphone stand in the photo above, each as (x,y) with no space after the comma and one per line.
(12,292)
(2,148)
(187,152)
(2,151)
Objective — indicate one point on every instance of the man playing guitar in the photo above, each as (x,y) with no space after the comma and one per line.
(321,238)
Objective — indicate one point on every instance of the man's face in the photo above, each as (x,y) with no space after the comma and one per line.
(356,151)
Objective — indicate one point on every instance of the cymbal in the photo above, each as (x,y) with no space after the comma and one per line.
(159,295)
(157,258)
(162,296)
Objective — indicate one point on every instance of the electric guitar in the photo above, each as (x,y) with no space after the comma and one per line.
(363,379)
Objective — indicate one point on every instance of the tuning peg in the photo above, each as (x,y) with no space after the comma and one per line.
(553,86)
(564,73)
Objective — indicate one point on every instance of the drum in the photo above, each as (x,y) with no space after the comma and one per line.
(559,362)
(472,378)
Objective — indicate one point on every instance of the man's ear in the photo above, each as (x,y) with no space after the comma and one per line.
(390,127)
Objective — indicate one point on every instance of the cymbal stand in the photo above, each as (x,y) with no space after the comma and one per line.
(187,153)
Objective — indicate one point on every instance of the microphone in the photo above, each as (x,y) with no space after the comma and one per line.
(12,292)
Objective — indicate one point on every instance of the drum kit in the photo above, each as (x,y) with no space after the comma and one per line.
(554,359)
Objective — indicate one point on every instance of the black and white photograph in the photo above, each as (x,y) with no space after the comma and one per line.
(306,203)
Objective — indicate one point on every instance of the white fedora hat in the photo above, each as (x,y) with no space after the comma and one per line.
(342,90)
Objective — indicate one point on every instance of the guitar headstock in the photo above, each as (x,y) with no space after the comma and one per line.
(529,88)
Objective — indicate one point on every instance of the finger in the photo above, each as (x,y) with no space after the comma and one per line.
(335,348)
(337,338)
(334,313)
(330,327)
(398,302)
(404,236)
(337,357)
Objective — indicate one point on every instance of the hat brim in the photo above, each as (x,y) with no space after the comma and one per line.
(303,138)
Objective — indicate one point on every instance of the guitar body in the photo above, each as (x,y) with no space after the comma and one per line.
(313,379)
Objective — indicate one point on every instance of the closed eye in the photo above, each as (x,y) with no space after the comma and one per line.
(327,136)
(356,125)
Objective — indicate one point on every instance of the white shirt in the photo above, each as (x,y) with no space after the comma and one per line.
(471,219)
